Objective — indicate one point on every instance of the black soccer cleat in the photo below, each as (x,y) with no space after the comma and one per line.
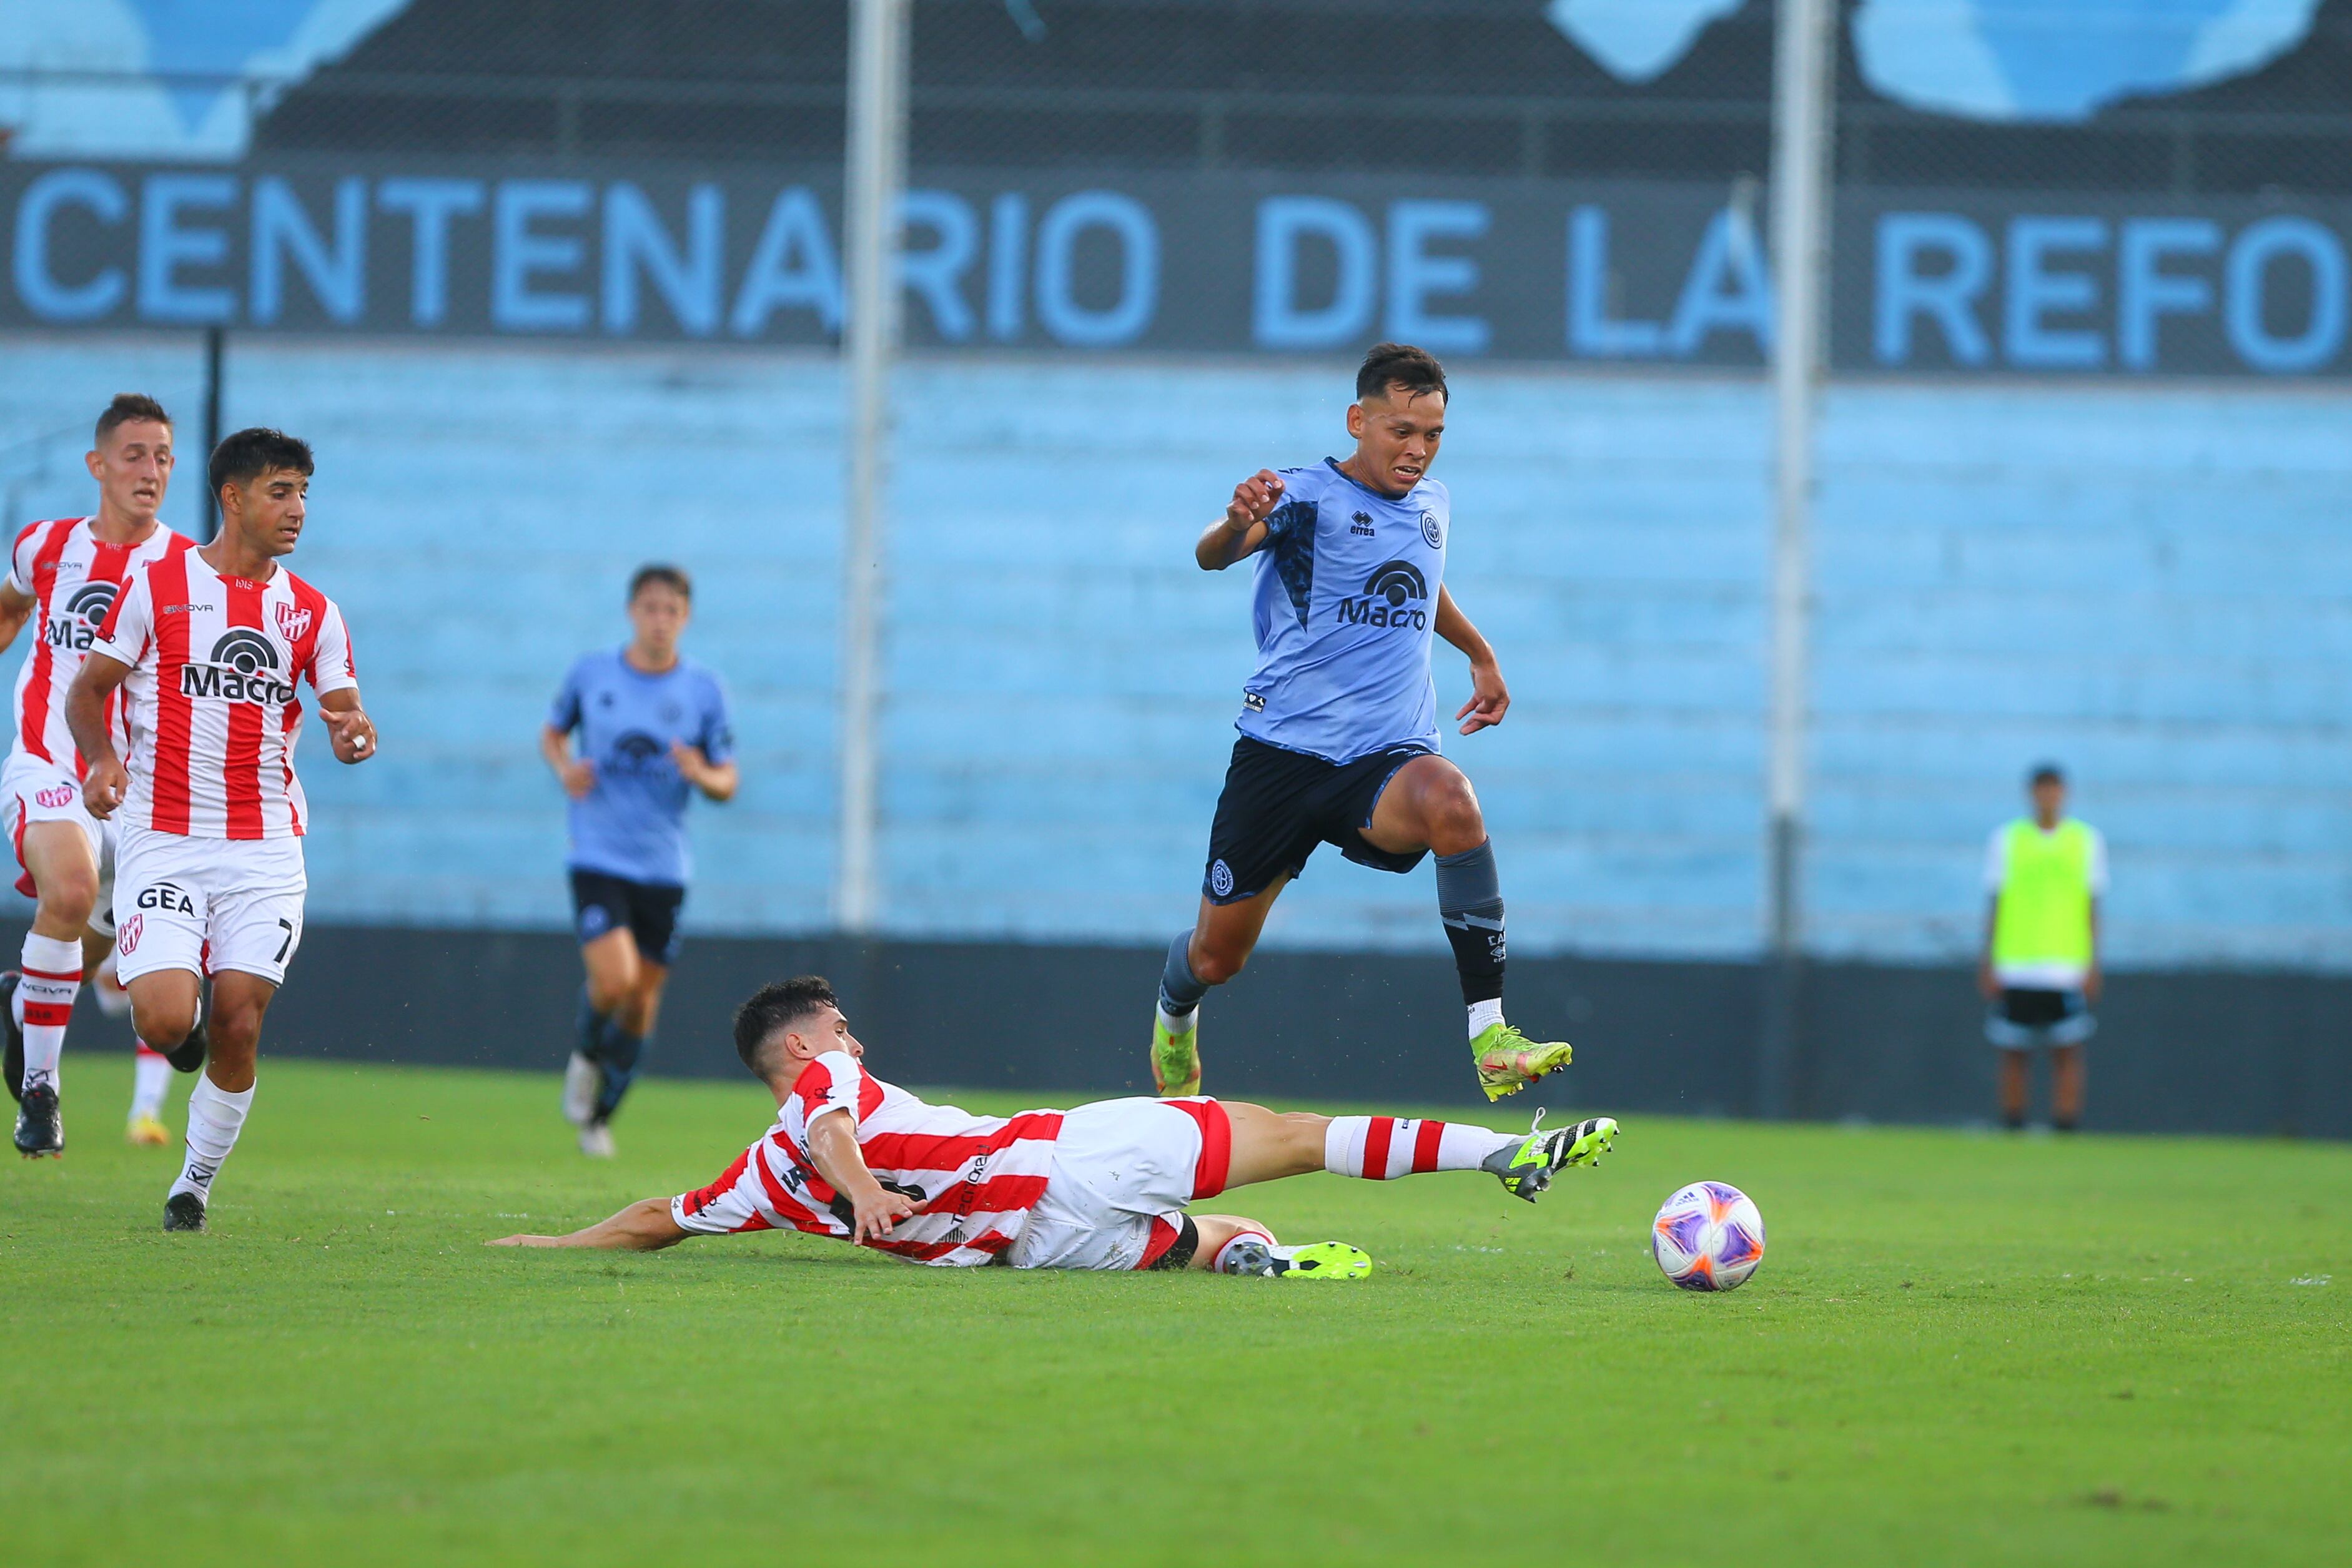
(183,1211)
(40,1130)
(14,1033)
(190,1053)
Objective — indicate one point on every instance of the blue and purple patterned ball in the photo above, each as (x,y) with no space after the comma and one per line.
(1708,1237)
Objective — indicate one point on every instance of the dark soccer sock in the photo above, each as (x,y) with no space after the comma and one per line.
(617,1055)
(1470,902)
(589,1028)
(1180,989)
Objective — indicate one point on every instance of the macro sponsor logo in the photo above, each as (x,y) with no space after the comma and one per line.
(76,627)
(243,667)
(1395,595)
(633,751)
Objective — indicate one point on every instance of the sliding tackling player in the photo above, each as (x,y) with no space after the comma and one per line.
(1338,724)
(63,577)
(1101,1186)
(207,645)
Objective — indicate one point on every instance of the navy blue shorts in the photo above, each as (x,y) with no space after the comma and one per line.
(1278,805)
(602,902)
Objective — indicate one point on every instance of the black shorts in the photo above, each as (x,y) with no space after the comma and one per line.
(603,902)
(2022,1019)
(1278,805)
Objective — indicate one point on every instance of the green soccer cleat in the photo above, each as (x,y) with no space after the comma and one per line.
(1316,1261)
(1527,1170)
(1176,1059)
(1509,1061)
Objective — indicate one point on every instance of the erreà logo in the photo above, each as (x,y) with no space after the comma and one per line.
(243,667)
(1362,523)
(1394,595)
(85,612)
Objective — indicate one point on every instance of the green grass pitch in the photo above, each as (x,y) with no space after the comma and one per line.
(1962,1350)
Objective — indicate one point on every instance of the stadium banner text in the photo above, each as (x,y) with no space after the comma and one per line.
(1244,263)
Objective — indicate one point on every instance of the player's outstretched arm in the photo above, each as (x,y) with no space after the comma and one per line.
(646,1225)
(106,782)
(1490,699)
(15,608)
(1243,528)
(349,728)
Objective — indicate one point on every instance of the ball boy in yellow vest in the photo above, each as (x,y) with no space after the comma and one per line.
(2046,874)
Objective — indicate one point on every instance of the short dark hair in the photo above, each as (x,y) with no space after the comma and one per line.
(1400,365)
(2046,773)
(666,575)
(126,407)
(247,455)
(776,1007)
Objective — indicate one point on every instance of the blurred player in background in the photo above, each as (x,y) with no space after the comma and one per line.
(650,724)
(2046,874)
(1338,724)
(63,576)
(1103,1187)
(207,645)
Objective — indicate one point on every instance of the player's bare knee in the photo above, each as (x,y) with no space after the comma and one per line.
(166,1022)
(68,897)
(1450,810)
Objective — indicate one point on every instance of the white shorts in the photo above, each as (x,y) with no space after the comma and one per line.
(32,790)
(1123,1171)
(206,905)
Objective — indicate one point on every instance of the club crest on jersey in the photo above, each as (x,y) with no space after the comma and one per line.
(1430,531)
(127,939)
(1393,596)
(243,668)
(84,613)
(294,620)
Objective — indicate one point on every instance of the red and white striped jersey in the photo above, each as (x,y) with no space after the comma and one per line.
(73,580)
(210,698)
(973,1179)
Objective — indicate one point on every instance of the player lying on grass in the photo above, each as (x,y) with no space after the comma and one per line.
(1102,1186)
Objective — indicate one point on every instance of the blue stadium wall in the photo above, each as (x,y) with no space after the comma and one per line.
(2151,584)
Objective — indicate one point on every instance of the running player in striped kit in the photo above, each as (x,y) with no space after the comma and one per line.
(1105,1185)
(206,646)
(63,577)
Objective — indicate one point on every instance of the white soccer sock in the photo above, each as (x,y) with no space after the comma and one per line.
(150,1081)
(215,1118)
(1175,1025)
(106,989)
(1484,1015)
(1380,1148)
(45,999)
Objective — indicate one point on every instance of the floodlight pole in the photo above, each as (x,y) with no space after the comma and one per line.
(1804,90)
(875,176)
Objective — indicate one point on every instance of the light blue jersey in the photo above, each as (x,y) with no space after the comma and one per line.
(1347,599)
(632,824)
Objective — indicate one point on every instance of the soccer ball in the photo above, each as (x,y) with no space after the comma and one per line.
(1708,1237)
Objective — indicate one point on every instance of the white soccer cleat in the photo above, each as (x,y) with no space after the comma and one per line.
(596,1141)
(581,1082)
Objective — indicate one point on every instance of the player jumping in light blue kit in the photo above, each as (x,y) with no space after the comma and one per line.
(650,724)
(1338,724)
